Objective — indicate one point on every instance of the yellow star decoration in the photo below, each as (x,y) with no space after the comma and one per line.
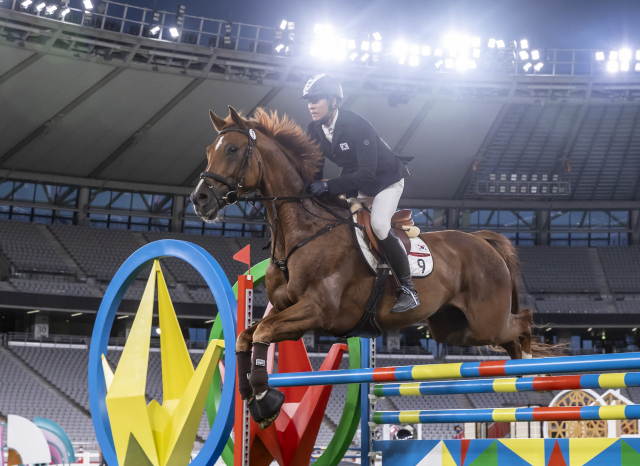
(155,434)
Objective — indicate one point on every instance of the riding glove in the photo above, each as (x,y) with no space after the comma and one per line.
(318,187)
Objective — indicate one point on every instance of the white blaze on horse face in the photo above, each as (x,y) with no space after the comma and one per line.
(219,143)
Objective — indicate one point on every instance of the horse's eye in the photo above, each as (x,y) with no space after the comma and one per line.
(233,150)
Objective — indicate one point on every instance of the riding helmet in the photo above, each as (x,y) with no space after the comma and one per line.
(322,85)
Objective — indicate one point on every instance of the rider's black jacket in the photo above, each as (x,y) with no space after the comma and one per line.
(368,164)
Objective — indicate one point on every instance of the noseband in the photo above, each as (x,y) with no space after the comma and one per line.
(232,195)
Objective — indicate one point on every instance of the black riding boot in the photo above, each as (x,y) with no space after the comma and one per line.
(406,294)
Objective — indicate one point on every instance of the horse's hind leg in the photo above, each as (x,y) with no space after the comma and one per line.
(524,320)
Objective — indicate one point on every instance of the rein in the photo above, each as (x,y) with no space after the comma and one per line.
(233,197)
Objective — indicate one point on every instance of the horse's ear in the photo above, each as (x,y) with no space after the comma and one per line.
(218,123)
(237,119)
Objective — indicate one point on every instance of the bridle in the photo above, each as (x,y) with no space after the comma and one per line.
(233,197)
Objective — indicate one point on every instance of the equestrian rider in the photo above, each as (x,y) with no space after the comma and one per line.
(370,172)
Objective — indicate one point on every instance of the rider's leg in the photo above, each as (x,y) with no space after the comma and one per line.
(383,207)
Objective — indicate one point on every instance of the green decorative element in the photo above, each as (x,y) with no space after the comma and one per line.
(349,421)
(489,457)
(630,457)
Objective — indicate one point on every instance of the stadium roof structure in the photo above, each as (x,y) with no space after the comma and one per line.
(93,107)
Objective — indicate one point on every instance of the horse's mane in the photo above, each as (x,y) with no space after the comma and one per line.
(303,154)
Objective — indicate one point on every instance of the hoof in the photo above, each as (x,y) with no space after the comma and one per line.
(253,410)
(269,407)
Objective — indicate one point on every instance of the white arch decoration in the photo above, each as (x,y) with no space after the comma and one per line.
(27,440)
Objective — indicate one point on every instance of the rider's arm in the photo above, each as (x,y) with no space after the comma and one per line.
(366,148)
(313,136)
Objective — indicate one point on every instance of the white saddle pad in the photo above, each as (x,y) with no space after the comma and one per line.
(420,258)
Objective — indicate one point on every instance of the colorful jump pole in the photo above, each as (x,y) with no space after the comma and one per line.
(513,367)
(569,413)
(505,385)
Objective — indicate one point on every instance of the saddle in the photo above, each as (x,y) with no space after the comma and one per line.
(401,222)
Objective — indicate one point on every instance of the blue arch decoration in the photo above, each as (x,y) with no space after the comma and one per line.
(222,292)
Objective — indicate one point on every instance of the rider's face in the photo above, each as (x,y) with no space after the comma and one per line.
(319,108)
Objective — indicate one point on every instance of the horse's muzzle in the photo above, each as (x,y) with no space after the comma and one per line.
(204,202)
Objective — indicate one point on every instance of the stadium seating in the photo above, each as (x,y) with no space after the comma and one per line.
(28,249)
(622,267)
(559,269)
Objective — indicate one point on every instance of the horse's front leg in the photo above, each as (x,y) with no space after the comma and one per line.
(289,324)
(243,360)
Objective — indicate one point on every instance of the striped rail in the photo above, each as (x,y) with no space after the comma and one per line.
(571,413)
(513,367)
(505,385)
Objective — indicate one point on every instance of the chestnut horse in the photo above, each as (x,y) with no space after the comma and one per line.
(470,298)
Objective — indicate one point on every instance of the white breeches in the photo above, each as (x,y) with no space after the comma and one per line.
(382,207)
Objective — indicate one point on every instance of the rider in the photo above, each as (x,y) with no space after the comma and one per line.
(370,172)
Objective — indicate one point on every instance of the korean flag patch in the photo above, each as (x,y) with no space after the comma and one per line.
(344,146)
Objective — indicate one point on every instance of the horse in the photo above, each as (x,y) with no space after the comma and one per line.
(470,299)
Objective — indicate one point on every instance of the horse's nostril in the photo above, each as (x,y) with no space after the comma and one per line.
(201,199)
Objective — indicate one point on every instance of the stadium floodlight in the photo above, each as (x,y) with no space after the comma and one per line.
(524,44)
(476,53)
(500,43)
(527,66)
(351,44)
(612,66)
(538,66)
(377,36)
(155,29)
(174,32)
(401,61)
(51,9)
(448,63)
(341,54)
(353,56)
(414,49)
(599,56)
(492,44)
(401,49)
(278,48)
(26,4)
(475,42)
(414,60)
(425,50)
(364,57)
(472,64)
(535,55)
(376,46)
(40,7)
(437,52)
(366,45)
(625,55)
(613,55)
(524,55)
(439,63)
(283,24)
(88,5)
(291,25)
(637,66)
(64,12)
(624,66)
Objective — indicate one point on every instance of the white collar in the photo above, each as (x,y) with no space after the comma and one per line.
(333,123)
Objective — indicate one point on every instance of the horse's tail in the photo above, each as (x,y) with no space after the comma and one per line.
(508,253)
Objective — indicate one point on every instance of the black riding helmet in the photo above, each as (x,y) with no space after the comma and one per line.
(323,86)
